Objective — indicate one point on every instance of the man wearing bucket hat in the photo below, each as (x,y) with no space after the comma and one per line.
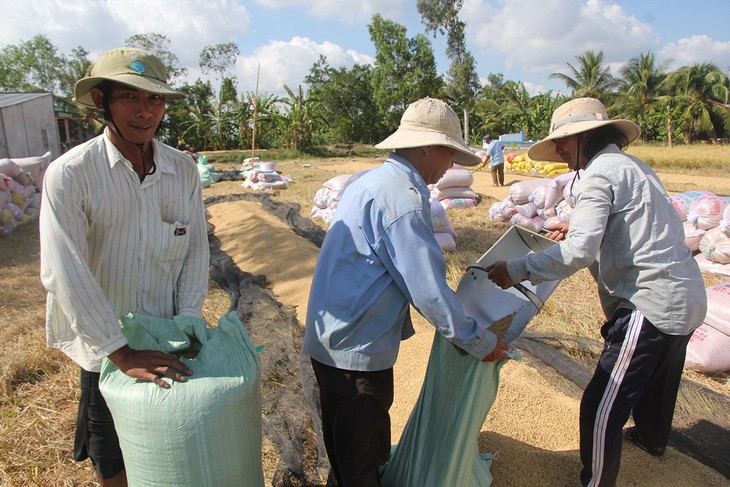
(379,258)
(624,227)
(122,230)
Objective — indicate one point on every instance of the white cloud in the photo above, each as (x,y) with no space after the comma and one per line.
(697,49)
(99,26)
(288,62)
(544,35)
(346,10)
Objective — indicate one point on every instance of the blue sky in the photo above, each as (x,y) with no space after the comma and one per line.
(526,40)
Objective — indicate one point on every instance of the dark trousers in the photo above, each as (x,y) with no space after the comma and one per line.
(498,174)
(638,374)
(355,422)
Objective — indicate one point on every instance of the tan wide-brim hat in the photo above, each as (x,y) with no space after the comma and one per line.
(128,66)
(574,117)
(429,121)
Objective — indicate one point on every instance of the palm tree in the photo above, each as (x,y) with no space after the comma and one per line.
(299,120)
(640,89)
(696,90)
(591,78)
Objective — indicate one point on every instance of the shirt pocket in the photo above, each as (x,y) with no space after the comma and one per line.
(174,241)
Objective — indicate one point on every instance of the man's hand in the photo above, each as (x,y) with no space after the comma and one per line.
(500,351)
(557,232)
(497,273)
(150,365)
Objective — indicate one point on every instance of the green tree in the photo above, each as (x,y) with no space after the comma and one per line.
(347,98)
(590,78)
(463,84)
(640,90)
(405,70)
(696,91)
(31,66)
(298,123)
(218,59)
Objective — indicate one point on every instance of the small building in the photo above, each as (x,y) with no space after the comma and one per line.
(28,126)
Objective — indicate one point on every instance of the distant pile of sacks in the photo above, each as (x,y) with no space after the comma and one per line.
(262,175)
(706,219)
(522,163)
(538,203)
(328,197)
(21,181)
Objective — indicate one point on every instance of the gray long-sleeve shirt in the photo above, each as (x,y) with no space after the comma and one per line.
(627,230)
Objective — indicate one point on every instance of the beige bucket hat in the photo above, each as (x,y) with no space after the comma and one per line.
(429,121)
(129,66)
(575,117)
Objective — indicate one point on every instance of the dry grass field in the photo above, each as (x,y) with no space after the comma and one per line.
(38,386)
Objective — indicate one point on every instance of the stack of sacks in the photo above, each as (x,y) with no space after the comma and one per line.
(328,196)
(263,175)
(442,228)
(453,190)
(20,197)
(538,203)
(715,243)
(522,163)
(682,202)
(709,347)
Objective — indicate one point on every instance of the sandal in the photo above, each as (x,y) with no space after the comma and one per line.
(633,435)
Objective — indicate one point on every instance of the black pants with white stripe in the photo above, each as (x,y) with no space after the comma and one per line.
(638,374)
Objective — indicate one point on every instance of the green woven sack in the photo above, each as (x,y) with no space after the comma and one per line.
(439,445)
(202,432)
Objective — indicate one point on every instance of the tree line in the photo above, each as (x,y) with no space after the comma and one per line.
(363,104)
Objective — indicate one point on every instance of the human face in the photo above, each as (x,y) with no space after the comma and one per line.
(136,113)
(438,160)
(567,149)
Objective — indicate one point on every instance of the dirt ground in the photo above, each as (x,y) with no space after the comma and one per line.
(533,426)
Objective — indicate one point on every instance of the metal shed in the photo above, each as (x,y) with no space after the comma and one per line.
(28,125)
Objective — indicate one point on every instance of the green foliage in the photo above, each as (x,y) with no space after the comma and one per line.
(591,78)
(405,70)
(31,66)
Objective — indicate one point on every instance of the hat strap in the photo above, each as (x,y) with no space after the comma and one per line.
(582,117)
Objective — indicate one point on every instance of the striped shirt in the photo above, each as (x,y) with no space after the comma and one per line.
(111,245)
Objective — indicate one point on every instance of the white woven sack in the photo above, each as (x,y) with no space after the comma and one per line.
(715,245)
(527,210)
(501,212)
(682,201)
(452,192)
(534,223)
(537,197)
(455,177)
(708,350)
(441,222)
(520,192)
(718,307)
(9,167)
(706,212)
(446,241)
(692,236)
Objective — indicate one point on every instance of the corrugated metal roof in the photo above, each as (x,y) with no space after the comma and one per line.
(9,99)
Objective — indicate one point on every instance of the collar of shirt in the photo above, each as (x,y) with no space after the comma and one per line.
(403,164)
(114,155)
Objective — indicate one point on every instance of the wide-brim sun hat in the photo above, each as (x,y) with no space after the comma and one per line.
(430,121)
(129,66)
(575,117)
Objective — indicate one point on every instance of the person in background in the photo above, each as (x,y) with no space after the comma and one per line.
(626,230)
(122,229)
(495,157)
(380,257)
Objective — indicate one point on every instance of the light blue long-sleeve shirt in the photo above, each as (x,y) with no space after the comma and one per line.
(627,230)
(380,256)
